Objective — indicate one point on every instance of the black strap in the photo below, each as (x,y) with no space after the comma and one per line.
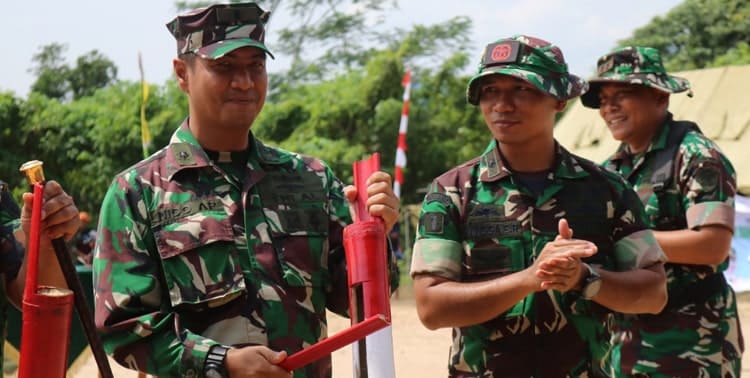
(663,173)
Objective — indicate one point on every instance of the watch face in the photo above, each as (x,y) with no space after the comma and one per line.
(592,288)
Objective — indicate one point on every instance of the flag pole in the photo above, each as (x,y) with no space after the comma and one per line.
(401,147)
(145,133)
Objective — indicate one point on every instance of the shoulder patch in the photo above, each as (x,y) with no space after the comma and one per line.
(707,176)
(183,154)
(438,197)
(433,223)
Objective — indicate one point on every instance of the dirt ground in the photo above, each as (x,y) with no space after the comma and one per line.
(418,352)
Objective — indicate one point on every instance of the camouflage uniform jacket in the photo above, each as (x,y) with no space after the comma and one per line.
(11,255)
(477,224)
(691,336)
(192,252)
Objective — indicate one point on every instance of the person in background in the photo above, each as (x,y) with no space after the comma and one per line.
(687,186)
(59,219)
(218,255)
(527,249)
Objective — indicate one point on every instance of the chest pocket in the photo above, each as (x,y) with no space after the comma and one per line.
(295,208)
(495,243)
(200,261)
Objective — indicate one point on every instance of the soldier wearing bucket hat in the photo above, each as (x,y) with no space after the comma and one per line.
(687,186)
(219,255)
(525,250)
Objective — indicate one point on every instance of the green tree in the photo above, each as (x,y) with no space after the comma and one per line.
(358,111)
(51,71)
(56,79)
(84,143)
(698,34)
(92,71)
(11,151)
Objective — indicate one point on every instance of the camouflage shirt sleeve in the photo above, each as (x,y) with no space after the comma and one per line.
(11,252)
(635,244)
(438,247)
(131,311)
(707,182)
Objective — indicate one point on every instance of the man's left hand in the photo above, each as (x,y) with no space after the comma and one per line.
(381,201)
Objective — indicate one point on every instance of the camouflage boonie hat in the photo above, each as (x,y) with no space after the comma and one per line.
(219,29)
(633,65)
(531,59)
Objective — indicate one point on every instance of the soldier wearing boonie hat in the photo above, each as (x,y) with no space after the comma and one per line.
(633,65)
(219,255)
(687,186)
(524,250)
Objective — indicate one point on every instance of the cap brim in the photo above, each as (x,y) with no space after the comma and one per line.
(221,48)
(590,99)
(575,86)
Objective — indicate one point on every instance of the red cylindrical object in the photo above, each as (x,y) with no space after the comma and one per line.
(32,252)
(45,333)
(364,244)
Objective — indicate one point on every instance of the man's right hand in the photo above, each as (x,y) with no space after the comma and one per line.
(559,265)
(255,361)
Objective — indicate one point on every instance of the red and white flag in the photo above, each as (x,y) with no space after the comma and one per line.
(401,148)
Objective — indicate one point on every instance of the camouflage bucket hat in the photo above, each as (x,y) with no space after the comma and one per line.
(219,29)
(531,59)
(633,65)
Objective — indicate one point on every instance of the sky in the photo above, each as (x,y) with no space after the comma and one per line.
(584,30)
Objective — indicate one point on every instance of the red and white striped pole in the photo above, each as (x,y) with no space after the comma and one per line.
(401,147)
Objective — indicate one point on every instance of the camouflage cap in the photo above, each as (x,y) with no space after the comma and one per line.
(633,65)
(531,59)
(214,31)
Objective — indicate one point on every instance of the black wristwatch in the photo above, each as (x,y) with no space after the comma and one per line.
(591,283)
(214,366)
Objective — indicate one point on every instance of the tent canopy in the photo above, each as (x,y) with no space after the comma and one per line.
(720,106)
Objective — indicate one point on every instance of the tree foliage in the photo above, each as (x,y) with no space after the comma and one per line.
(699,34)
(57,80)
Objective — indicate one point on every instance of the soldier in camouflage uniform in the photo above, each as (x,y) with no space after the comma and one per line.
(60,219)
(527,249)
(218,255)
(687,186)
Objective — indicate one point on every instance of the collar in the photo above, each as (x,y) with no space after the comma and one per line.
(184,152)
(492,165)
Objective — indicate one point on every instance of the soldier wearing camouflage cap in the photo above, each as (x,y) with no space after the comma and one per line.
(525,250)
(60,219)
(218,255)
(687,186)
